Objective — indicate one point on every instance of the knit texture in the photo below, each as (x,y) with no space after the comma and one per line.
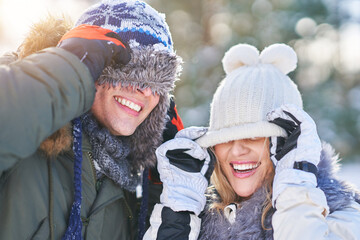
(144,204)
(110,154)
(73,231)
(255,85)
(248,218)
(135,21)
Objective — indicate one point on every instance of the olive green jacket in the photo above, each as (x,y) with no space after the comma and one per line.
(39,95)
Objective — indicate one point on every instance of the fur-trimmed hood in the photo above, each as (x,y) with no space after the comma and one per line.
(147,68)
(248,218)
(45,33)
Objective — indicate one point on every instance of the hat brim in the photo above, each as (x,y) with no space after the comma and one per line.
(243,131)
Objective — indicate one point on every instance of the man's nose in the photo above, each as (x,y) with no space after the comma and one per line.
(146,91)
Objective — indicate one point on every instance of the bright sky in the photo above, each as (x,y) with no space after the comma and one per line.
(16,16)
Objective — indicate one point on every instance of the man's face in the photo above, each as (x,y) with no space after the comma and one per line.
(122,110)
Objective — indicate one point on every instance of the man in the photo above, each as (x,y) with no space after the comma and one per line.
(49,190)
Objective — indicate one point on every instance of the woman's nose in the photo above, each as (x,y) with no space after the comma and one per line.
(239,147)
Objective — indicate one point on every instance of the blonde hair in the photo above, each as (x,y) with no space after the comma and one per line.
(228,195)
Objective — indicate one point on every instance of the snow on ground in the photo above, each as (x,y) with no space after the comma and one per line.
(351,173)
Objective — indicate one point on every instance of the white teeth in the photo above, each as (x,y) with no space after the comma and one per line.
(128,104)
(245,167)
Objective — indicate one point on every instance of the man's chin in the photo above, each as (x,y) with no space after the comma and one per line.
(122,132)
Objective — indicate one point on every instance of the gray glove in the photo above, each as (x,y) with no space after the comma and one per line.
(185,169)
(300,150)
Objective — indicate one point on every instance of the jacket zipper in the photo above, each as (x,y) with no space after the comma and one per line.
(128,209)
(97,182)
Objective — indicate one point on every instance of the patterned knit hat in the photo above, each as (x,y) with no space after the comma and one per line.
(255,85)
(135,21)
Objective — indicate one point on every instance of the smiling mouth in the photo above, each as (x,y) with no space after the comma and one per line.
(129,104)
(245,168)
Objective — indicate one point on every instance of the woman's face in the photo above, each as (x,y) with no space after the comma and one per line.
(246,163)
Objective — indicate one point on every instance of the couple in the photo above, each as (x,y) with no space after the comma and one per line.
(49,190)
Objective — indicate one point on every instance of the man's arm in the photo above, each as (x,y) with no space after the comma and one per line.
(38,95)
(44,91)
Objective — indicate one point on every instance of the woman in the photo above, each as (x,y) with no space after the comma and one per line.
(273,178)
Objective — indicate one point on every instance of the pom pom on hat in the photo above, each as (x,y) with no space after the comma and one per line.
(281,56)
(238,56)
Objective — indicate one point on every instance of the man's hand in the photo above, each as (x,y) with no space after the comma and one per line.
(96,47)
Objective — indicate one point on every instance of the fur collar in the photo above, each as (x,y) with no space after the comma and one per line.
(248,217)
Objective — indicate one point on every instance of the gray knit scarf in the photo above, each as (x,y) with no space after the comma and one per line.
(110,154)
(248,217)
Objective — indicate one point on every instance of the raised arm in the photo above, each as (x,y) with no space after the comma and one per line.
(302,210)
(44,91)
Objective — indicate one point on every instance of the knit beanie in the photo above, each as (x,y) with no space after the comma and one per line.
(255,84)
(136,22)
(153,64)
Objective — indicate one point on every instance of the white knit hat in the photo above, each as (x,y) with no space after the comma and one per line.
(255,85)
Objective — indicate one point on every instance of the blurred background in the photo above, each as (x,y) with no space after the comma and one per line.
(324,33)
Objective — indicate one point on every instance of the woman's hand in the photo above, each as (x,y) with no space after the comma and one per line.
(185,169)
(302,143)
(301,149)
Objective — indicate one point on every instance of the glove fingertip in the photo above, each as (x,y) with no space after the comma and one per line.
(123,57)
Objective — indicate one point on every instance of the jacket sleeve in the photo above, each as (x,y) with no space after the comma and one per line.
(38,95)
(302,213)
(167,224)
